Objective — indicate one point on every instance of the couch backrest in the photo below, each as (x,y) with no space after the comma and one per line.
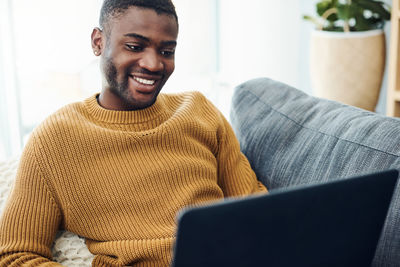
(291,138)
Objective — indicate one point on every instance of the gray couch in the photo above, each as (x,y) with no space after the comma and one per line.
(291,138)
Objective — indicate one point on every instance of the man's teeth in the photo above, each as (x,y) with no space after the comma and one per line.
(144,81)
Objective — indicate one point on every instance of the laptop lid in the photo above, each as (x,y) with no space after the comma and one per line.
(332,224)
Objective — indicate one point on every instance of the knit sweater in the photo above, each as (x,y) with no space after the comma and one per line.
(119,178)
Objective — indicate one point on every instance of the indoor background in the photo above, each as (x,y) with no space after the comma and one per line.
(46,60)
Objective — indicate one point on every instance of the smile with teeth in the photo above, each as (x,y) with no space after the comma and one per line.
(144,81)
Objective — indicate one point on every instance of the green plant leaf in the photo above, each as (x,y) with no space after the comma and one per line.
(344,12)
(323,6)
(332,18)
(362,24)
(349,12)
(333,28)
(376,23)
(376,7)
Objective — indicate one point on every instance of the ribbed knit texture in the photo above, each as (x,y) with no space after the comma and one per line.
(119,178)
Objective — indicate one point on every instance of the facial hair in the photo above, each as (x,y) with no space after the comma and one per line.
(118,88)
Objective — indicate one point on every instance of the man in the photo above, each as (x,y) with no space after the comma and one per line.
(117,167)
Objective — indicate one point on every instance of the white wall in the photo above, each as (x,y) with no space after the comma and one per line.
(221,43)
(260,38)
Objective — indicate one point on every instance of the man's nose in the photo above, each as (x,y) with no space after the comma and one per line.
(151,61)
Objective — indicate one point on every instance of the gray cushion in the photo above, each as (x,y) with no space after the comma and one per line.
(291,138)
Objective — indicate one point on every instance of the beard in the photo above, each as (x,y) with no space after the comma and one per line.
(119,85)
(118,88)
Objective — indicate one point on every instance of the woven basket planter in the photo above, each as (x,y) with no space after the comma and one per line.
(348,67)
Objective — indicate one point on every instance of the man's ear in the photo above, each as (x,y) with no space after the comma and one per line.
(97,41)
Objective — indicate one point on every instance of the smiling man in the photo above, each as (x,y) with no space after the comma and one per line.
(117,167)
(137,55)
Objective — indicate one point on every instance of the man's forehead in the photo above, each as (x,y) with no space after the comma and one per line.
(142,18)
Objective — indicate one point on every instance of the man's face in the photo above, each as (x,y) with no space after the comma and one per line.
(137,58)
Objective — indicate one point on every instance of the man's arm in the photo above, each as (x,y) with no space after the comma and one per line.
(30,219)
(236,176)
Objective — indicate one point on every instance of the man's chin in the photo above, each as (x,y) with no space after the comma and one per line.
(141,105)
(135,103)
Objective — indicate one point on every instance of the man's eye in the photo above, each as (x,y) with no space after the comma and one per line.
(135,48)
(167,53)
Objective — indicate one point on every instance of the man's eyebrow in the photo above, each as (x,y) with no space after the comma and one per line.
(138,36)
(168,43)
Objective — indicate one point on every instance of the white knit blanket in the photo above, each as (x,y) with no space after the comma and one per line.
(68,248)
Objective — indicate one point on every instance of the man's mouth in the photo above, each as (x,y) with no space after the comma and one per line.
(144,81)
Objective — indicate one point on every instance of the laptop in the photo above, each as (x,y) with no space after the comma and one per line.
(331,224)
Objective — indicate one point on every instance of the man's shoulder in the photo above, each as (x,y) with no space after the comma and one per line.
(66,117)
(193,107)
(190,99)
(183,95)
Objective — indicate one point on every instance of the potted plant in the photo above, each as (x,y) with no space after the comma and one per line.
(347,55)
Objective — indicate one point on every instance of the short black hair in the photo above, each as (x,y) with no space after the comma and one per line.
(112,8)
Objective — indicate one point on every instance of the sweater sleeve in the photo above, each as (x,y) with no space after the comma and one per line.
(30,219)
(236,176)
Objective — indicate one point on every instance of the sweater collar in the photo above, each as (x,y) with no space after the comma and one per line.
(124,117)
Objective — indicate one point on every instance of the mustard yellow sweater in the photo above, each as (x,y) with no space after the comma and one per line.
(118,178)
